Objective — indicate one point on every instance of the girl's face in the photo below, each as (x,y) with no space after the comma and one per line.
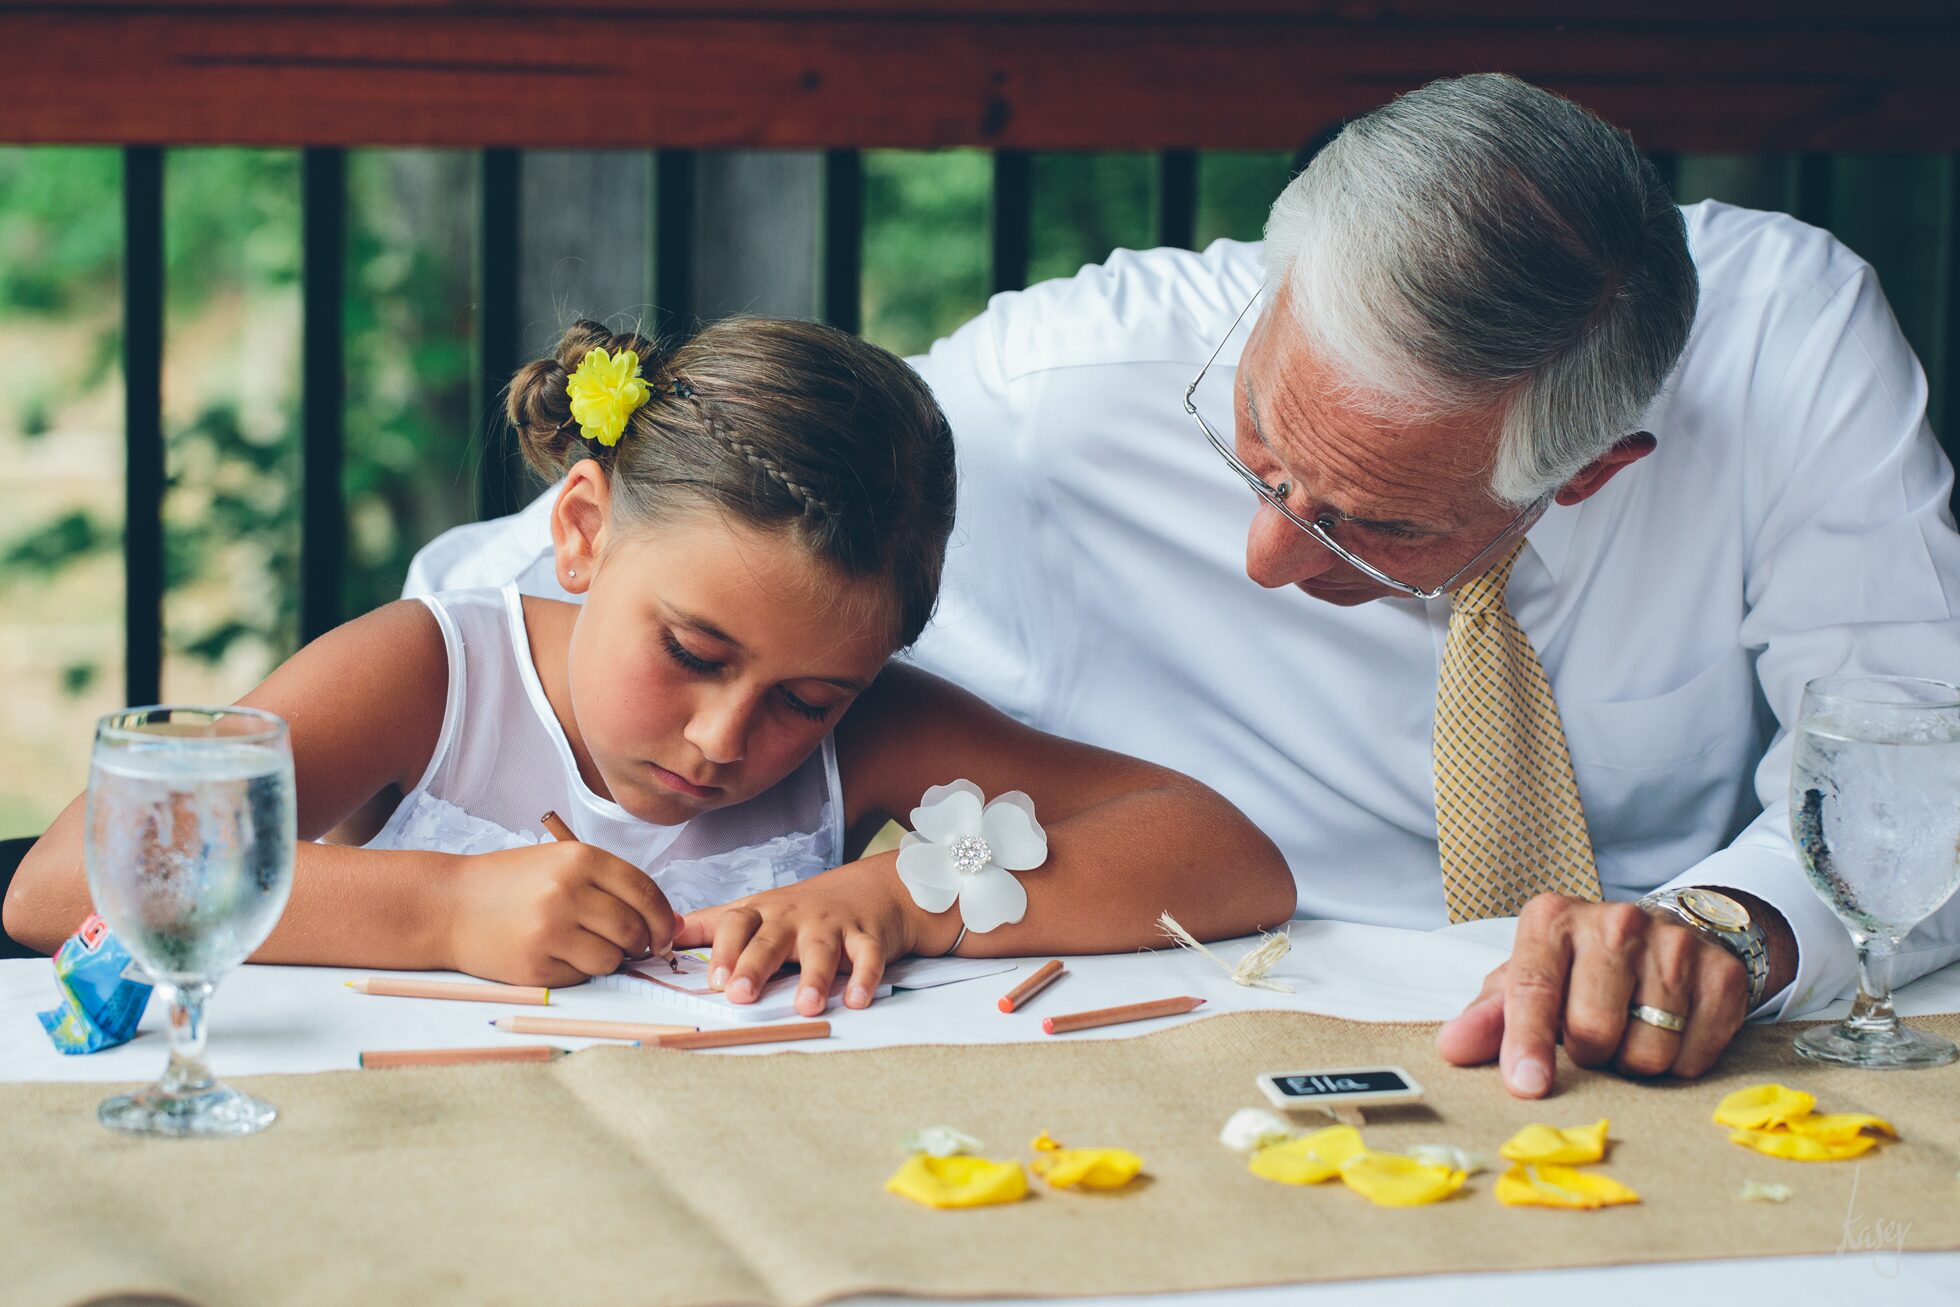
(710,659)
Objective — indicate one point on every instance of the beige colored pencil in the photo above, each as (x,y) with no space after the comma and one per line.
(457,1056)
(752,1035)
(588,1029)
(391,987)
(1116,1016)
(1027,989)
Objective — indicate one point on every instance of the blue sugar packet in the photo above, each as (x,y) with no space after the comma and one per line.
(103,991)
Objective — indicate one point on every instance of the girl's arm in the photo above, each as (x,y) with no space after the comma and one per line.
(365,705)
(1127,840)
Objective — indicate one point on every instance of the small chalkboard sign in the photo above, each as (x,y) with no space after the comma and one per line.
(1348,1086)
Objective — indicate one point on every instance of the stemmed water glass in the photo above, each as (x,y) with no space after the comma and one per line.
(1875,811)
(190,860)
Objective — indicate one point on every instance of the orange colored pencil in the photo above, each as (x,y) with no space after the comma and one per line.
(1116,1016)
(752,1035)
(391,987)
(1033,985)
(588,1029)
(457,1056)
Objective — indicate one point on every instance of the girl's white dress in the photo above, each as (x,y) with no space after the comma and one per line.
(502,761)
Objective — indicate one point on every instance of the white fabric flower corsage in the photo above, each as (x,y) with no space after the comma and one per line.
(963,848)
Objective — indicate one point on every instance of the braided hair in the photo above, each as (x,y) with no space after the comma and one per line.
(785,425)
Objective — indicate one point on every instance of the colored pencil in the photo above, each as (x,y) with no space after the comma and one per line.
(1033,985)
(752,1035)
(587,1029)
(456,1056)
(1116,1016)
(391,987)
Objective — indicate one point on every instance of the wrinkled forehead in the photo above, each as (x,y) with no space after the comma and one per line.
(1295,401)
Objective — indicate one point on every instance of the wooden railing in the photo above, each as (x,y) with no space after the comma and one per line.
(1013,76)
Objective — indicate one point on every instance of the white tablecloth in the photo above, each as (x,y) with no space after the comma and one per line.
(300,1019)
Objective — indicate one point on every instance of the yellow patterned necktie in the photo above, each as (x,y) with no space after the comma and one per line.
(1509,824)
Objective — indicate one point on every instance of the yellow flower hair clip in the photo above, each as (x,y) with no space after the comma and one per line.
(605,391)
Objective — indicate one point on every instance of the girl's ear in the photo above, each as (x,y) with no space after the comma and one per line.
(578,524)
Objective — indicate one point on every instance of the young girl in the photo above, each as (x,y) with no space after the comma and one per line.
(756,524)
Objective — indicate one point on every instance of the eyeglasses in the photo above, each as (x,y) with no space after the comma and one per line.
(1321,531)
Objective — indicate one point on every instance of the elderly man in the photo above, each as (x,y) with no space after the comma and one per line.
(1558,495)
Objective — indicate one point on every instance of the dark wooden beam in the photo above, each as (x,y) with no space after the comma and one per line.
(323,390)
(143,465)
(500,473)
(1017,74)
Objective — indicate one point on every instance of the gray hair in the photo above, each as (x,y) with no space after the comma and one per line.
(1481,241)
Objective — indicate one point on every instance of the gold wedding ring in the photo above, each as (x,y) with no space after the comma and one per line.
(1658,1017)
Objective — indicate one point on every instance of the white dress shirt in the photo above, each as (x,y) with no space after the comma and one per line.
(1792,523)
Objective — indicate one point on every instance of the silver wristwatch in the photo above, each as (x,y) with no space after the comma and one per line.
(1715,916)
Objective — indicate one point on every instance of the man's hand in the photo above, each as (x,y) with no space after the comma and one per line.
(1575,971)
(860,914)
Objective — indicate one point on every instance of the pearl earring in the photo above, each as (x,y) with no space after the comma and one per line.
(571,574)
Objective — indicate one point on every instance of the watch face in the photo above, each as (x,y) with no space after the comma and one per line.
(1718,910)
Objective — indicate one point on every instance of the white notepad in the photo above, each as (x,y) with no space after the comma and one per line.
(683,984)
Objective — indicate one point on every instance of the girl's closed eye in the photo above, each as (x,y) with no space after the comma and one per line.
(687,658)
(695,663)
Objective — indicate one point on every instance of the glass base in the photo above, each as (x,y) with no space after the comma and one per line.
(215,1111)
(1886,1047)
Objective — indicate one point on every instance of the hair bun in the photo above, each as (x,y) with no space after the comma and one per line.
(540,409)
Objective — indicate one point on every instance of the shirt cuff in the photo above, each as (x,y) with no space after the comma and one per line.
(1827,965)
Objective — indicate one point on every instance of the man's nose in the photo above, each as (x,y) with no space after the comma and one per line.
(719,727)
(1278,553)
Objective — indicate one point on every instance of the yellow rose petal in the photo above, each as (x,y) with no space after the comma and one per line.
(1527,1185)
(1838,1126)
(1546,1143)
(946,1182)
(1393,1180)
(1088,1168)
(1309,1159)
(1083,1168)
(1800,1147)
(1762,1107)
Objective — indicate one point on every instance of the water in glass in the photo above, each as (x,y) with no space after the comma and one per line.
(190,858)
(1875,812)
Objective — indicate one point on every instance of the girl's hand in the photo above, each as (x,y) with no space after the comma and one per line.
(553,914)
(859,912)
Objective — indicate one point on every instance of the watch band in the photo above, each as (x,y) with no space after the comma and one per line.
(1747,945)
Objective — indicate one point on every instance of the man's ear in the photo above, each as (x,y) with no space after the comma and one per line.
(1597,473)
(578,524)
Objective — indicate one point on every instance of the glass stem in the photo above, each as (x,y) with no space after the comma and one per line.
(1871,1011)
(187,1073)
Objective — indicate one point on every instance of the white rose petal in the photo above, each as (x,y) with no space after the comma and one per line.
(1251,1128)
(1016,838)
(928,872)
(948,812)
(940,1141)
(1449,1155)
(991,897)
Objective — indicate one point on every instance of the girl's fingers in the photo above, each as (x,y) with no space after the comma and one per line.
(767,950)
(613,921)
(593,955)
(817,956)
(732,934)
(867,968)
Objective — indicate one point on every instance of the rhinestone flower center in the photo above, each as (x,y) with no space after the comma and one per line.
(970,854)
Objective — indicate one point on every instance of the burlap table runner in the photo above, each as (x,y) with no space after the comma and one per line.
(624,1177)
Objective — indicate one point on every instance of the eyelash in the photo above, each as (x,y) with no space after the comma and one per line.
(702,667)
